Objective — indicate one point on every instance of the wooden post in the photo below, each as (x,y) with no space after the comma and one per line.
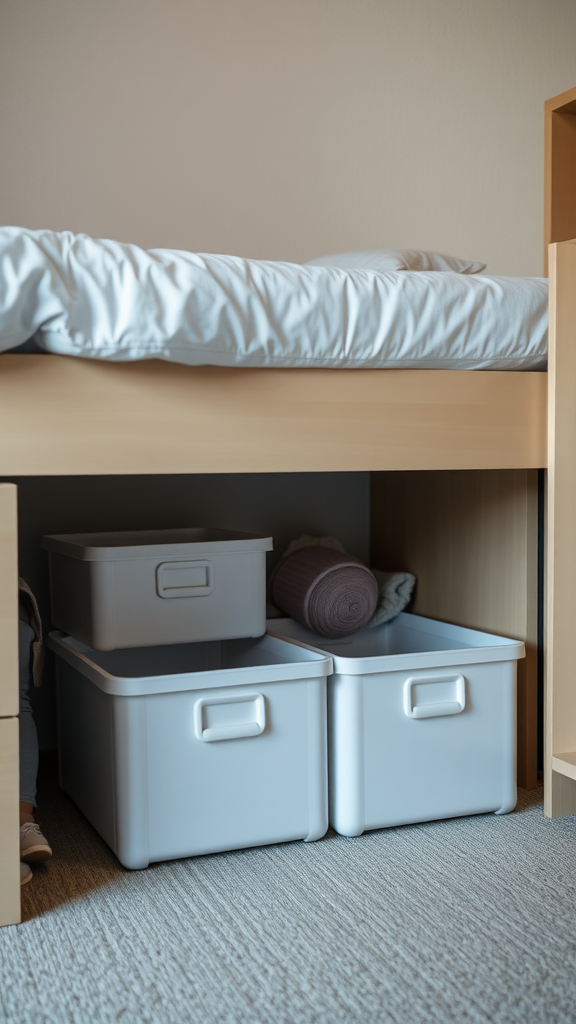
(560,658)
(9,768)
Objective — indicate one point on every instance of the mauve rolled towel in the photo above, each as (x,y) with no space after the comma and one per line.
(329,592)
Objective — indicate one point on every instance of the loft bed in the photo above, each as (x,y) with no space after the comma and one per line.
(468,529)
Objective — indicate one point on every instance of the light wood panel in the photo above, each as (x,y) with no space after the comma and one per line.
(565,764)
(8,600)
(9,832)
(559,170)
(560,668)
(9,767)
(561,785)
(561,794)
(76,416)
(471,539)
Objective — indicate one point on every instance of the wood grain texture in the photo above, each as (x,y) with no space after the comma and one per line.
(559,170)
(8,600)
(560,667)
(471,539)
(9,832)
(78,416)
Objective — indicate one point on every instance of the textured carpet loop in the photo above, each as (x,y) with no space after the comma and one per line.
(468,921)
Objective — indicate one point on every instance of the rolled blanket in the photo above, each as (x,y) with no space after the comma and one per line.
(331,593)
(394,593)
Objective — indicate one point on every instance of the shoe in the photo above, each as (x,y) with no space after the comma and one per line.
(33,845)
(25,874)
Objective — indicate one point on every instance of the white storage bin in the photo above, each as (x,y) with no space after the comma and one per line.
(421,722)
(191,749)
(140,589)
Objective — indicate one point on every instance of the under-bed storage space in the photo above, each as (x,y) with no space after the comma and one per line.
(470,537)
(467,536)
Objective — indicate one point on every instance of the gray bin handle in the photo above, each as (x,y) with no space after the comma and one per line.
(435,709)
(231,729)
(193,578)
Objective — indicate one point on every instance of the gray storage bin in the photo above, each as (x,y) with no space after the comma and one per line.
(139,589)
(421,721)
(191,749)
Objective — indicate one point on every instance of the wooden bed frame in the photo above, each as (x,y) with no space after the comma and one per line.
(453,455)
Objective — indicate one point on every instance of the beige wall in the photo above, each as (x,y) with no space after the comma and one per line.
(284,128)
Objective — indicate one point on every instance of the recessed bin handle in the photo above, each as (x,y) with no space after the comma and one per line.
(194,578)
(229,718)
(420,691)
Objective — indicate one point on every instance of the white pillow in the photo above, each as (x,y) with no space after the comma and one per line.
(397,259)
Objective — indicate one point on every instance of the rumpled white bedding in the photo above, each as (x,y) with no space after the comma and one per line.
(105,300)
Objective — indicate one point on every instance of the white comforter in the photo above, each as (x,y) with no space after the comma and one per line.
(100,299)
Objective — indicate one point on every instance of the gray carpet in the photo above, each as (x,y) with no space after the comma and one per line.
(470,920)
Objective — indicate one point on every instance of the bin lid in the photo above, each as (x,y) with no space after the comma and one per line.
(130,544)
